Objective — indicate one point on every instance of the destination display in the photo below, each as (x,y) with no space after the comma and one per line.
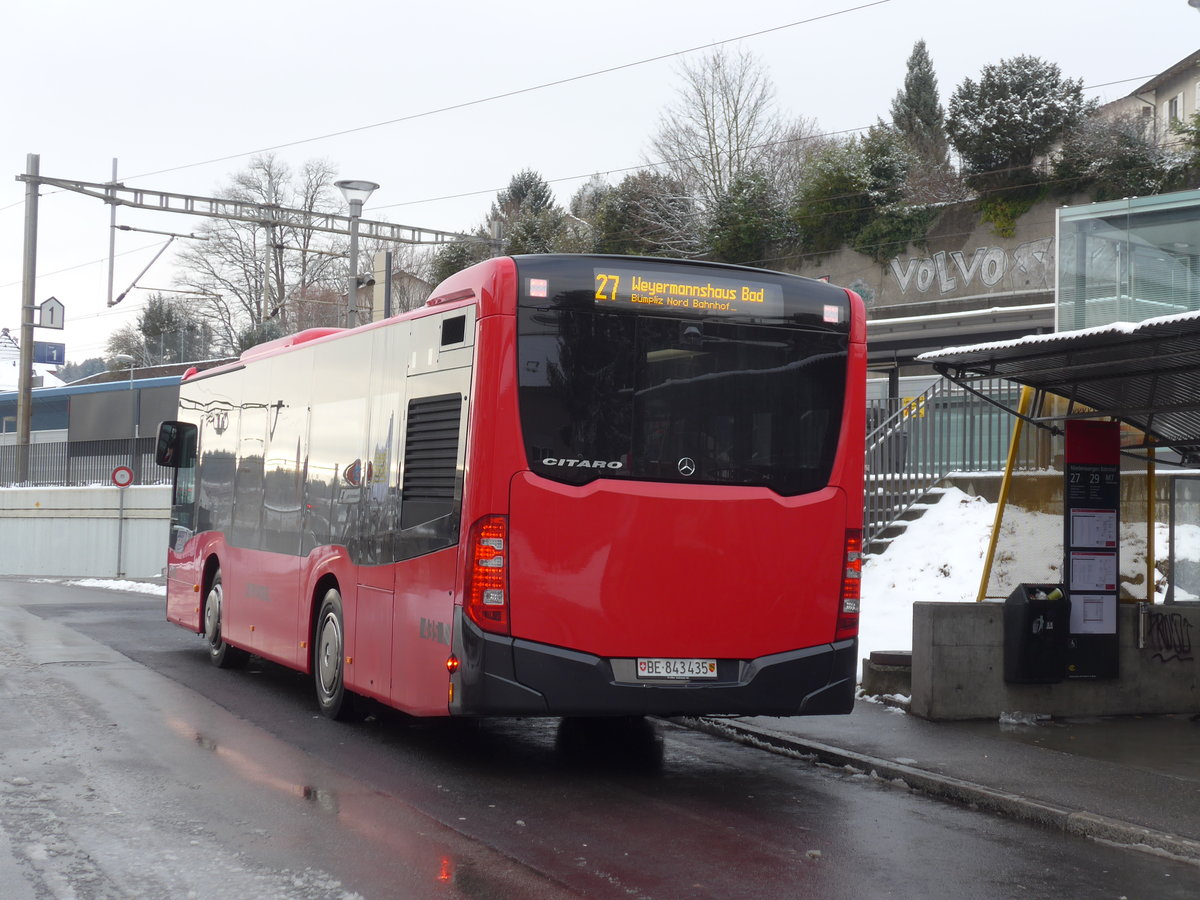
(683,292)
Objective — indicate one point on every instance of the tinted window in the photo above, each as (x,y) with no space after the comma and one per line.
(616,395)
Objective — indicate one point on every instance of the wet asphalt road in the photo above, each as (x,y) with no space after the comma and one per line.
(146,772)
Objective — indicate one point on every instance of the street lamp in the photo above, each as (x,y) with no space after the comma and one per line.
(356,194)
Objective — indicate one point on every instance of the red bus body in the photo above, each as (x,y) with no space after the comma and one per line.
(306,479)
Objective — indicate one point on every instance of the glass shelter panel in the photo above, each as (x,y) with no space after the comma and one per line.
(1128,260)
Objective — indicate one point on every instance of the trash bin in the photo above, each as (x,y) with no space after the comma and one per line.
(1036,630)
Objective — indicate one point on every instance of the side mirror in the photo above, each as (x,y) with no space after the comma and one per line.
(176,448)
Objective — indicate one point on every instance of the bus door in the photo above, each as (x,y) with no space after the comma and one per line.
(376,474)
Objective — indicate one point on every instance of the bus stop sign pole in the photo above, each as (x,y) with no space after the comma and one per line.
(122,477)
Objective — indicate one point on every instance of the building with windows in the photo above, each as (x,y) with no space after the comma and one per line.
(1171,96)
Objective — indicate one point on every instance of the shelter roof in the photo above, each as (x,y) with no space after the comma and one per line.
(1145,374)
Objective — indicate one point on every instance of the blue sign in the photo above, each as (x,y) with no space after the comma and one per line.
(49,354)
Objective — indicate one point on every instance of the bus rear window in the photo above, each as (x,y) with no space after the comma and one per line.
(614,395)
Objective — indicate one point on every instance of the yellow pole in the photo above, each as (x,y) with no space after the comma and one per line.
(1013,446)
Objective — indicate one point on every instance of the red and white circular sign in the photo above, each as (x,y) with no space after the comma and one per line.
(122,476)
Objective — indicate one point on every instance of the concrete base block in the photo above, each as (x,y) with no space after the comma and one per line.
(958,667)
(888,672)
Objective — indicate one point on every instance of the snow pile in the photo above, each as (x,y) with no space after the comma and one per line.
(115,584)
(941,555)
(938,557)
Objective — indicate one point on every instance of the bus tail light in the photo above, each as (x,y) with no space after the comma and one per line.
(847,620)
(487,576)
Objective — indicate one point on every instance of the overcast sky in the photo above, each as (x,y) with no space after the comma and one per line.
(184,94)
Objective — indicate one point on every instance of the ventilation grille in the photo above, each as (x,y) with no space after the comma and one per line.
(430,458)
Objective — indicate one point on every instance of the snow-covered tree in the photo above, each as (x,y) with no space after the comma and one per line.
(917,112)
(528,219)
(745,222)
(1013,115)
(454,257)
(649,213)
(168,329)
(1112,158)
(788,162)
(833,205)
(850,185)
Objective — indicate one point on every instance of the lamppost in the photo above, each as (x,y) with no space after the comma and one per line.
(126,358)
(356,194)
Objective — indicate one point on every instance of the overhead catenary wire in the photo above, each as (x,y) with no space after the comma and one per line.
(526,90)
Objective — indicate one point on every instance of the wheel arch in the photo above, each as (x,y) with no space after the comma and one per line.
(323,583)
(212,565)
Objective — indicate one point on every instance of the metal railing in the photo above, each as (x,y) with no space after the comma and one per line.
(82,462)
(914,443)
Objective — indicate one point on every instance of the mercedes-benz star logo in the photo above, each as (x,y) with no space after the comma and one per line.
(687,467)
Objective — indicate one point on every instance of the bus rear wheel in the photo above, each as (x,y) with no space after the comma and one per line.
(220,654)
(329,659)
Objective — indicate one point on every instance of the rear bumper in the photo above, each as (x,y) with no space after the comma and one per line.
(502,676)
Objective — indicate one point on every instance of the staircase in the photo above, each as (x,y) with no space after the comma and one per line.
(914,443)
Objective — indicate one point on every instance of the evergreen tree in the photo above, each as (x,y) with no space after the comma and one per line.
(528,218)
(916,111)
(167,330)
(75,371)
(851,185)
(1014,114)
(834,204)
(455,257)
(745,221)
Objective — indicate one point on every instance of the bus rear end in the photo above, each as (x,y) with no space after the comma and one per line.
(682,534)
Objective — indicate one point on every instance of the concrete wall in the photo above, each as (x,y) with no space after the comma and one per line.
(958,668)
(62,531)
(962,265)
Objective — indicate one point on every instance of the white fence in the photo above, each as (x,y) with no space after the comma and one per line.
(84,531)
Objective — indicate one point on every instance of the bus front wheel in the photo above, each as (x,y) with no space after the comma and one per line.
(329,658)
(220,654)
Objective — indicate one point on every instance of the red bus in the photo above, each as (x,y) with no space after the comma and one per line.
(566,485)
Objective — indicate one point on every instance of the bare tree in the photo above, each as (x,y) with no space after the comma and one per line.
(791,157)
(721,125)
(249,274)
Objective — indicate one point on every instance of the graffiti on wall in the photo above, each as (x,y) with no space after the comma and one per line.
(1170,637)
(1029,267)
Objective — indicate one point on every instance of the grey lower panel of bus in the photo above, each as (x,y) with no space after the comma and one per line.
(511,677)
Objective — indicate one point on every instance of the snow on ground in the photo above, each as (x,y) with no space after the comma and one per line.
(941,556)
(115,584)
(938,557)
(157,588)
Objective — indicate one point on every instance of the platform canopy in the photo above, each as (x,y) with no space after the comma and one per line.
(1145,374)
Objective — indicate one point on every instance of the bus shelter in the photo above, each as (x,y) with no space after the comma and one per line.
(1145,376)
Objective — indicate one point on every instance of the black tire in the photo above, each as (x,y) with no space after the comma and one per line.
(329,659)
(220,654)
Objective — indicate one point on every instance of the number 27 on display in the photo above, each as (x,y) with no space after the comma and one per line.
(607,286)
